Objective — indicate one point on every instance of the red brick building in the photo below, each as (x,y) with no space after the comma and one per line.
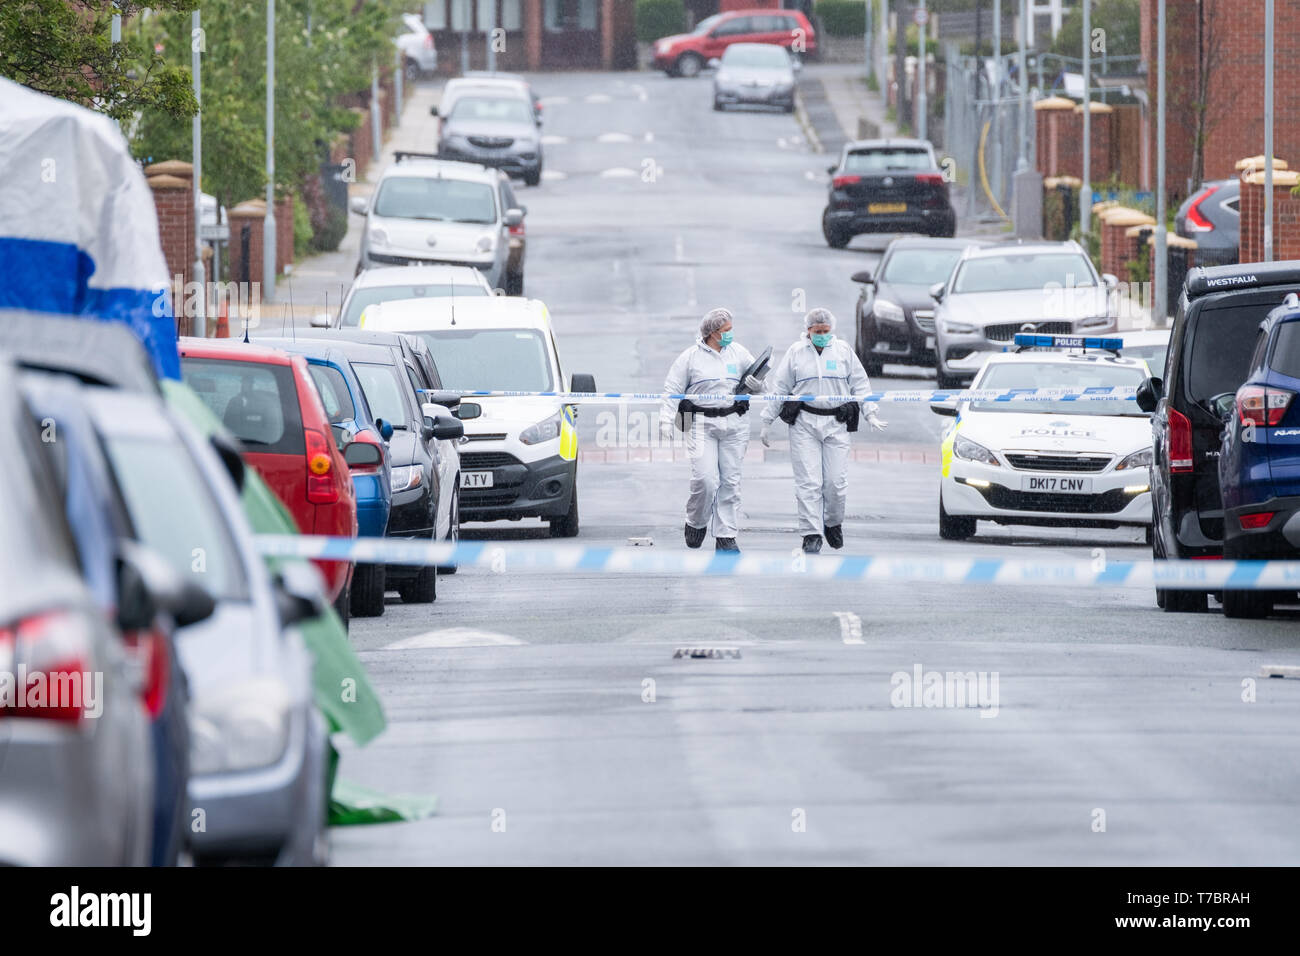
(1214,51)
(534,34)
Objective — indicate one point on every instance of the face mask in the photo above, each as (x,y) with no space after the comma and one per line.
(821,341)
(724,339)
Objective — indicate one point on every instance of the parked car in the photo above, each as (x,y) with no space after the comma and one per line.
(492,126)
(75,789)
(1214,336)
(886,185)
(514,281)
(517,80)
(999,290)
(419,54)
(1150,345)
(1212,216)
(267,399)
(1259,462)
(754,74)
(685,54)
(427,211)
(402,282)
(895,314)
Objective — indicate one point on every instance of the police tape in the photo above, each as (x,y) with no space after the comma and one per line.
(503,557)
(1099,393)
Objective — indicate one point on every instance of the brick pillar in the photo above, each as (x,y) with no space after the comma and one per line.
(1286,215)
(247,216)
(1118,247)
(606,34)
(533,33)
(361,148)
(173,196)
(283,233)
(1100,146)
(1048,146)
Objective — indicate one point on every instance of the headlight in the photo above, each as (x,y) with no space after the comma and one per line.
(407,476)
(545,430)
(1139,459)
(887,311)
(958,328)
(484,244)
(378,237)
(724,77)
(973,451)
(240,729)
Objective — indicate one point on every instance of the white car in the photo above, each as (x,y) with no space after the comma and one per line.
(402,282)
(419,54)
(1150,345)
(1061,463)
(519,457)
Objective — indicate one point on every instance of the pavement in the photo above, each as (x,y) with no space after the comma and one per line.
(549,713)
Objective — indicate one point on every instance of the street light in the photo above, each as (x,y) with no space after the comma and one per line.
(1268,130)
(1160,273)
(1085,188)
(268,223)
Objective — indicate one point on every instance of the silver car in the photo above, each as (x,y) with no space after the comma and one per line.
(759,74)
(493,124)
(427,211)
(997,291)
(402,282)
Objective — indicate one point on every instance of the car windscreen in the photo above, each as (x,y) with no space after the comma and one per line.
(437,200)
(257,402)
(175,513)
(1219,346)
(1060,375)
(334,394)
(1030,270)
(362,298)
(496,359)
(383,387)
(1286,353)
(766,57)
(707,24)
(490,109)
(1154,355)
(897,158)
(919,266)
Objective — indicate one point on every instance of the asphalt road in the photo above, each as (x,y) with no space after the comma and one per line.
(551,718)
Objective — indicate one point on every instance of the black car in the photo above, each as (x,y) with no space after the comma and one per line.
(1214,335)
(887,185)
(895,314)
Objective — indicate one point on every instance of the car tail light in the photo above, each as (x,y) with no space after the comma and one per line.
(428,41)
(51,656)
(321,489)
(369,439)
(1262,406)
(1180,442)
(1257,520)
(517,231)
(930,179)
(152,650)
(839,182)
(1197,222)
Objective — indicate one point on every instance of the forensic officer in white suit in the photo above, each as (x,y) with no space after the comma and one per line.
(717,431)
(819,363)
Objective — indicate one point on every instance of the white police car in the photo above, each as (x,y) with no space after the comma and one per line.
(1069,462)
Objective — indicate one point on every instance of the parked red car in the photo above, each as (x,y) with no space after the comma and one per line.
(688,53)
(268,400)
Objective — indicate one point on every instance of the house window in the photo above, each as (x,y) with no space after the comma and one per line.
(460,13)
(487,19)
(569,15)
(512,14)
(435,14)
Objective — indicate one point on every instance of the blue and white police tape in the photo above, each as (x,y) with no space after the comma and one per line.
(1099,393)
(522,556)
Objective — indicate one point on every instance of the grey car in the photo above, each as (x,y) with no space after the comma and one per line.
(997,291)
(1212,217)
(496,127)
(754,74)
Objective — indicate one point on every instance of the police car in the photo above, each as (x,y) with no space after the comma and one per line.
(519,456)
(1071,463)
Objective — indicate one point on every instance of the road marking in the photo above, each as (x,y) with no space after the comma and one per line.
(809,175)
(640,92)
(679,249)
(613,138)
(453,637)
(649,137)
(553,175)
(552,140)
(782,143)
(691,301)
(597,98)
(618,172)
(850,627)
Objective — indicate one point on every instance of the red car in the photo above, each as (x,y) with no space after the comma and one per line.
(688,53)
(267,399)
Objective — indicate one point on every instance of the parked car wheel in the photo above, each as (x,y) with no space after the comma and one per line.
(514,283)
(566,526)
(343,604)
(411,70)
(866,342)
(1247,604)
(533,179)
(421,589)
(954,529)
(368,590)
(453,533)
(717,104)
(835,238)
(689,64)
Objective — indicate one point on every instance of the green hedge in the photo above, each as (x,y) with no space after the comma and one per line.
(842,18)
(659,18)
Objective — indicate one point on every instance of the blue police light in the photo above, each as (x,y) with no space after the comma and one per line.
(1027,340)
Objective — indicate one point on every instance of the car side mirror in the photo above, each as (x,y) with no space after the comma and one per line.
(446,428)
(299,595)
(937,291)
(362,454)
(513,217)
(1112,281)
(385,429)
(864,277)
(467,410)
(426,428)
(230,456)
(147,584)
(713,63)
(582,382)
(1149,394)
(831,169)
(948,408)
(359,205)
(443,397)
(320,320)
(796,64)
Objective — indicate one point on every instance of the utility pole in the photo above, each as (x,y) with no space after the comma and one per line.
(975,110)
(491,28)
(922,106)
(199,326)
(1268,130)
(1085,188)
(868,37)
(1022,162)
(1160,296)
(268,224)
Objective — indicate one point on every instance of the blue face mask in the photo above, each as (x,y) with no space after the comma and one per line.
(724,339)
(821,341)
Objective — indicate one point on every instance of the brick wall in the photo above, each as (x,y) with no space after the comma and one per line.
(173,196)
(1118,248)
(283,233)
(1286,216)
(1100,143)
(1050,115)
(247,215)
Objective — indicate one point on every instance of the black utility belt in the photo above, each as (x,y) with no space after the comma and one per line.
(687,407)
(846,413)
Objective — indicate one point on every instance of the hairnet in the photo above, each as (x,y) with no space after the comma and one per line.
(713,320)
(819,317)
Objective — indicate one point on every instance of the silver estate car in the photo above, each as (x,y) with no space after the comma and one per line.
(402,282)
(999,290)
(755,74)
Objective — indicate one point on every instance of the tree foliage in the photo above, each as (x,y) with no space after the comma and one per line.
(1120,21)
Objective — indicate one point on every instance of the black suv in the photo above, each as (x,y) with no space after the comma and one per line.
(1214,334)
(887,185)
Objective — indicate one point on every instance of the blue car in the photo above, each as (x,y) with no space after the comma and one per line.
(1259,462)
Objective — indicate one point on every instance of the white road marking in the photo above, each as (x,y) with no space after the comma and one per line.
(640,92)
(618,172)
(453,637)
(679,250)
(850,627)
(553,175)
(613,138)
(691,301)
(782,143)
(649,137)
(597,98)
(809,175)
(550,139)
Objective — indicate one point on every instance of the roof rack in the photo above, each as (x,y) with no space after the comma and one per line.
(1205,280)
(401,154)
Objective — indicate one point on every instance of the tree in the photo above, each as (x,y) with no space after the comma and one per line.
(64,48)
(1121,21)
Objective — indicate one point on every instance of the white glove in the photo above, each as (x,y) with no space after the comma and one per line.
(666,430)
(765,436)
(874,421)
(753,383)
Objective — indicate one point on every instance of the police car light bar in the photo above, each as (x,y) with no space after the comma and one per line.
(1026,340)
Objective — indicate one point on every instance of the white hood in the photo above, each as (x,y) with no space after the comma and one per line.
(1057,434)
(430,239)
